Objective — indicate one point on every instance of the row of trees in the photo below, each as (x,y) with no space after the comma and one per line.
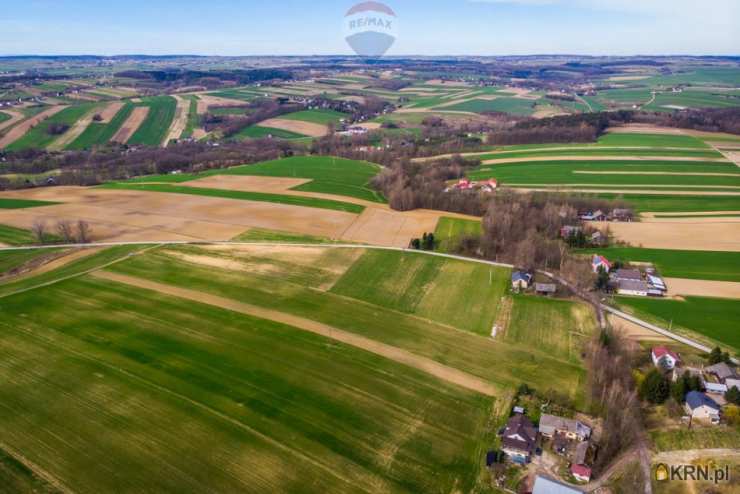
(63,231)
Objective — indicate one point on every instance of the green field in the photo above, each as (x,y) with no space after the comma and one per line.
(7,203)
(270,236)
(715,318)
(39,137)
(450,232)
(309,202)
(328,174)
(612,173)
(461,294)
(11,259)
(560,327)
(501,363)
(696,438)
(674,204)
(691,264)
(650,140)
(193,119)
(11,235)
(4,117)
(323,117)
(98,134)
(692,99)
(598,150)
(259,132)
(142,383)
(516,106)
(155,126)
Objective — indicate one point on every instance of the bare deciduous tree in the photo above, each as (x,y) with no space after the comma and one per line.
(66,231)
(39,231)
(83,232)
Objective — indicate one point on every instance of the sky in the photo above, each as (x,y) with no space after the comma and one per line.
(424,27)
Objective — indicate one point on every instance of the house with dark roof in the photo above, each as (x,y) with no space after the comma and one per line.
(626,275)
(634,288)
(520,280)
(722,371)
(519,439)
(571,428)
(701,407)
(545,288)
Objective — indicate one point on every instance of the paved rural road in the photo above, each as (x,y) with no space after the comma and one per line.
(601,307)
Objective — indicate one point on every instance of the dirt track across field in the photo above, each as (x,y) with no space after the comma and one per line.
(180,121)
(132,123)
(73,132)
(306,128)
(399,355)
(702,288)
(20,130)
(15,117)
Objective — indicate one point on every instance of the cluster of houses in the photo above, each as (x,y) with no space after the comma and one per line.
(570,438)
(716,380)
(624,215)
(466,185)
(633,282)
(353,130)
(522,281)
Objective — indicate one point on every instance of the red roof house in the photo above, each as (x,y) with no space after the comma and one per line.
(599,262)
(581,472)
(663,357)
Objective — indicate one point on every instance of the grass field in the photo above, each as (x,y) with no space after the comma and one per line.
(329,175)
(597,150)
(691,264)
(154,128)
(651,140)
(232,403)
(501,363)
(99,134)
(697,438)
(263,235)
(450,232)
(193,118)
(464,295)
(4,117)
(611,173)
(142,383)
(259,132)
(715,318)
(39,137)
(13,258)
(7,203)
(675,204)
(559,327)
(323,117)
(309,202)
(11,235)
(516,106)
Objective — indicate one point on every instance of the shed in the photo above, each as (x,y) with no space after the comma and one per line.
(545,288)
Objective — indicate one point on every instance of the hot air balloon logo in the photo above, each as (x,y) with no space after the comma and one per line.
(370,28)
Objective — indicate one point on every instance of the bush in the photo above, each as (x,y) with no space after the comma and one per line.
(655,388)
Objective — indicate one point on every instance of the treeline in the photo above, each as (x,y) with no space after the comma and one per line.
(117,162)
(707,120)
(258,110)
(582,127)
(612,395)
